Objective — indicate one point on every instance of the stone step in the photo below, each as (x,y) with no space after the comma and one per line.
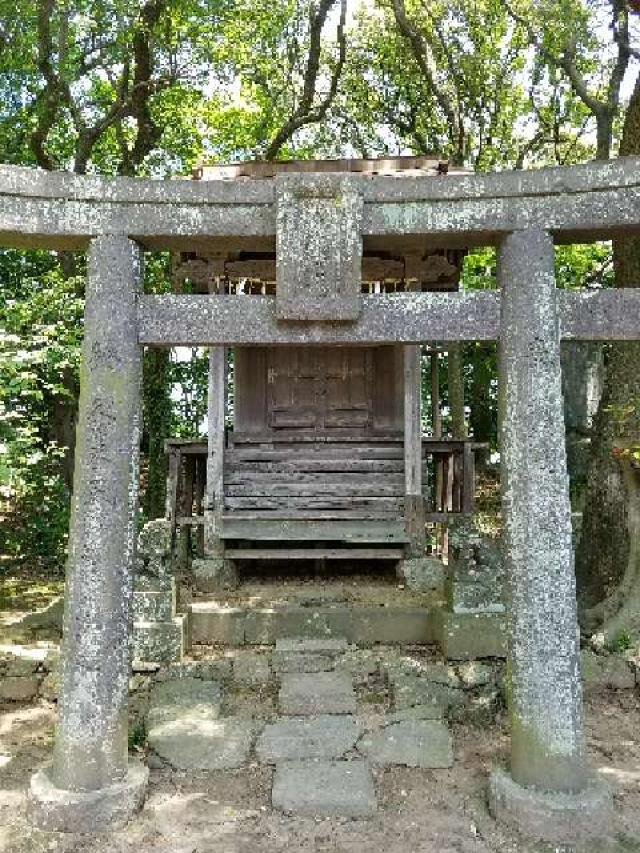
(323,737)
(302,654)
(212,623)
(412,743)
(324,789)
(317,693)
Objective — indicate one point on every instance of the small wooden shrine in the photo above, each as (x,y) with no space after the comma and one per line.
(317,451)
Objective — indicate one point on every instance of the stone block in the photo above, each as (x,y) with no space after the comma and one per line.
(214,625)
(412,743)
(251,669)
(294,662)
(390,625)
(154,605)
(15,688)
(467,636)
(552,816)
(421,574)
(184,727)
(325,789)
(159,642)
(470,596)
(213,574)
(323,737)
(319,693)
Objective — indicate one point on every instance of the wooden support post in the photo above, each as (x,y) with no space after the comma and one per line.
(214,500)
(183,549)
(469,478)
(200,478)
(173,474)
(413,501)
(436,428)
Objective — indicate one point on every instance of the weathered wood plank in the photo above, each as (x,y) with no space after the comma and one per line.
(300,436)
(306,514)
(323,488)
(314,553)
(279,526)
(216,404)
(264,454)
(350,466)
(313,478)
(310,503)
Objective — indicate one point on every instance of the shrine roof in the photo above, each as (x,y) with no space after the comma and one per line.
(400,166)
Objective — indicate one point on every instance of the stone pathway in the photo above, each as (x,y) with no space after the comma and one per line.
(321,754)
(307,785)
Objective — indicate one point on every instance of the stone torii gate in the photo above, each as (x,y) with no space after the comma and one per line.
(92,784)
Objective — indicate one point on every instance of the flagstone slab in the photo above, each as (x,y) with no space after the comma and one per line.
(325,789)
(317,693)
(325,736)
(413,743)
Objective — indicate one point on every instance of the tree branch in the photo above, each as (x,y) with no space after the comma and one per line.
(422,54)
(305,113)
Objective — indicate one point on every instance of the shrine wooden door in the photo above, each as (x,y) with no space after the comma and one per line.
(320,388)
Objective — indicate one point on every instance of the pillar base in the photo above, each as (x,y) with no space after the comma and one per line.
(59,810)
(552,816)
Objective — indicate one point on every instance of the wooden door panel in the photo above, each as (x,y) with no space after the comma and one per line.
(292,385)
(320,387)
(348,388)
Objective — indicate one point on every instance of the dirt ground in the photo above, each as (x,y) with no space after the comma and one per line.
(420,811)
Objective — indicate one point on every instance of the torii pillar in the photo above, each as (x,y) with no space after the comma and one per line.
(548,792)
(92,785)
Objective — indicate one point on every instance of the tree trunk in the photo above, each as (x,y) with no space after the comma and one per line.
(608,557)
(64,412)
(157,426)
(582,376)
(482,415)
(455,378)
